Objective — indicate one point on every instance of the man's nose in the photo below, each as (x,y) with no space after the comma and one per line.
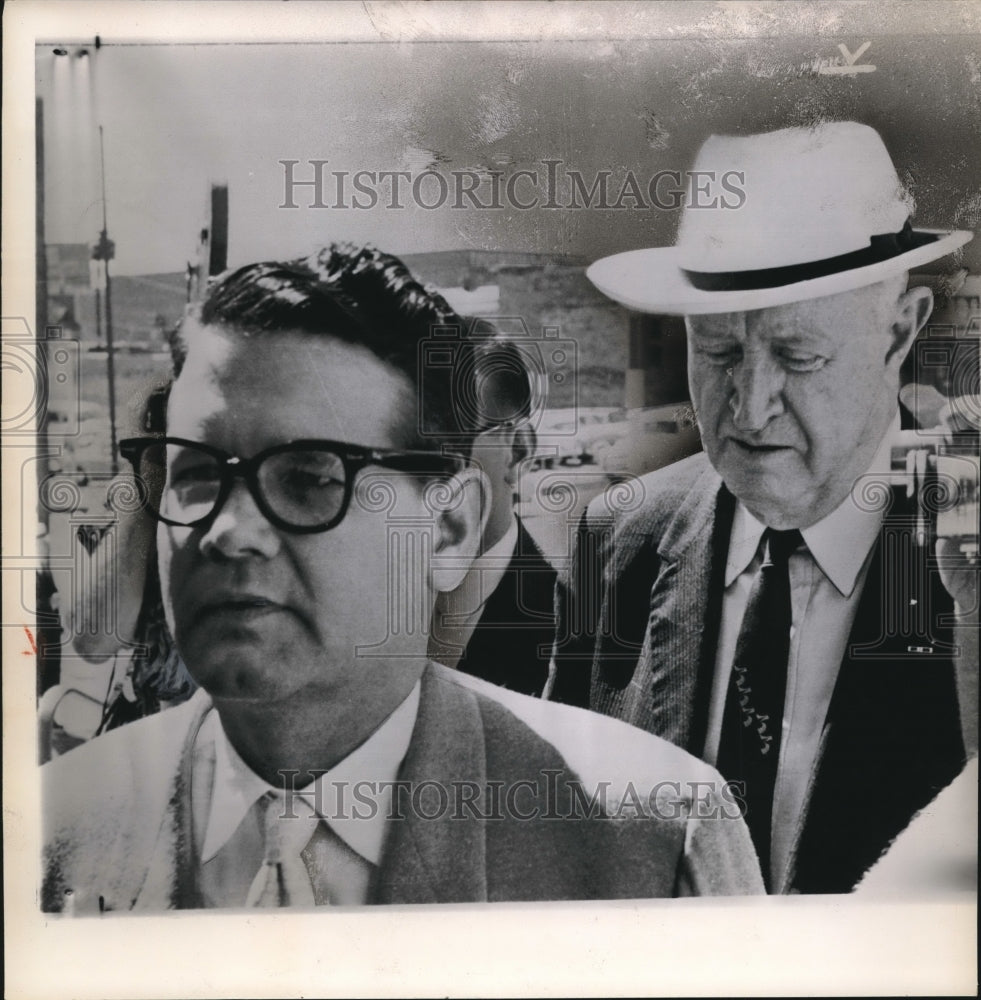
(240,529)
(756,396)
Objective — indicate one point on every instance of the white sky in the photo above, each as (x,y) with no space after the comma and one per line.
(177,116)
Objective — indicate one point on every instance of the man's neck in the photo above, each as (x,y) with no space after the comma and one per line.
(496,528)
(312,731)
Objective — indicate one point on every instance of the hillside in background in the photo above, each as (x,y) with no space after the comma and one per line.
(137,302)
(539,290)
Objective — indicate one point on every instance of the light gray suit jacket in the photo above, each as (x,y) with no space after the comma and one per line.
(119,834)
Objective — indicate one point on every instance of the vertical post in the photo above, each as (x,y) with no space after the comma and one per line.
(635,377)
(212,250)
(218,230)
(41,292)
(106,253)
(657,365)
(110,363)
(46,625)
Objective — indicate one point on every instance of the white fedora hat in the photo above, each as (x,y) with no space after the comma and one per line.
(808,212)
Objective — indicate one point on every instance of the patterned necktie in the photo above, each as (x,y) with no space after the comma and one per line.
(749,747)
(283,878)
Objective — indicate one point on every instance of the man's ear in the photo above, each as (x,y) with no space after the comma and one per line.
(913,309)
(461,505)
(523,444)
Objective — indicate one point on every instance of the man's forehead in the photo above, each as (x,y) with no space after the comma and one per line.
(829,313)
(220,347)
(231,354)
(301,384)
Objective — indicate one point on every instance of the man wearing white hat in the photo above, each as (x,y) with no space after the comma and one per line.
(768,606)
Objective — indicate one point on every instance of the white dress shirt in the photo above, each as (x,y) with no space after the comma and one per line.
(827,575)
(458,611)
(353,799)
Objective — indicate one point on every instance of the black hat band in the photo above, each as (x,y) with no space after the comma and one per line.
(880,248)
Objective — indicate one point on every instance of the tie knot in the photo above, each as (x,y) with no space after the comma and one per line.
(289,825)
(778,545)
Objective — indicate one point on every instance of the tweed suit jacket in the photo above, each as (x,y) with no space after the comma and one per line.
(512,643)
(119,836)
(637,627)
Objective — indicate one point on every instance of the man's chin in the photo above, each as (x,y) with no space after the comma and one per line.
(236,684)
(771,499)
(243,675)
(217,641)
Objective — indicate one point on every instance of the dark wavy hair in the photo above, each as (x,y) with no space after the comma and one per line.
(466,376)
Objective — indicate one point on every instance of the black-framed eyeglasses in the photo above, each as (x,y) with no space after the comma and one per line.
(301,487)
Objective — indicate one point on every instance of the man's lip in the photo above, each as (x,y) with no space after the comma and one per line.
(243,604)
(759,447)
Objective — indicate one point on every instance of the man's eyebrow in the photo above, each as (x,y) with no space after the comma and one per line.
(713,329)
(804,335)
(792,331)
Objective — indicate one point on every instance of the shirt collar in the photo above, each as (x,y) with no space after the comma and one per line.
(375,763)
(839,543)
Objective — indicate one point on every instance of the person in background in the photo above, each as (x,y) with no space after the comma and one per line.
(148,674)
(772,606)
(499,622)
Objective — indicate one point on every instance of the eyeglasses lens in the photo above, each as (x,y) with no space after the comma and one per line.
(303,488)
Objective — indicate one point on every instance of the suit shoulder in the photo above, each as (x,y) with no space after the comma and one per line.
(652,499)
(103,805)
(597,748)
(83,785)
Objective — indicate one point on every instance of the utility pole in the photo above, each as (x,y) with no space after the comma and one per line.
(212,250)
(105,250)
(98,316)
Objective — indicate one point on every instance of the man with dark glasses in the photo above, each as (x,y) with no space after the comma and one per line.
(313,494)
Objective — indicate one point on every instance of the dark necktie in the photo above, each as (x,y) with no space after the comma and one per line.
(749,746)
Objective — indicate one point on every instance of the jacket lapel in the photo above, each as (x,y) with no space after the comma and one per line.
(892,737)
(441,859)
(171,872)
(669,691)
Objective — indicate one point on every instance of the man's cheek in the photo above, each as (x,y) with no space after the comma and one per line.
(164,557)
(709,401)
(169,566)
